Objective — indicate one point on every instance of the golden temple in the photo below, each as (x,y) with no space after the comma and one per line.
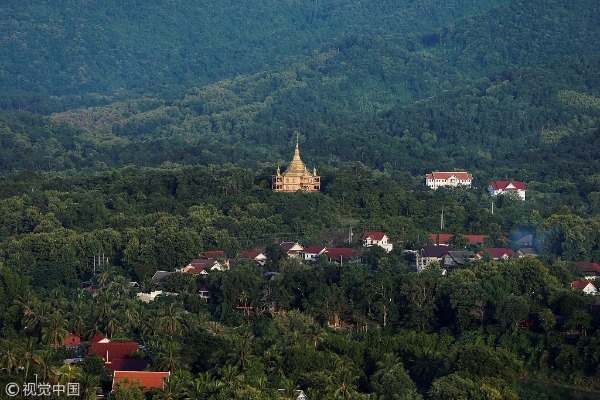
(296,176)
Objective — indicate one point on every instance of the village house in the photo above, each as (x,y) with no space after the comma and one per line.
(526,252)
(312,253)
(292,249)
(502,187)
(117,356)
(496,253)
(255,256)
(448,179)
(341,255)
(201,266)
(429,254)
(586,286)
(590,270)
(204,293)
(377,239)
(453,259)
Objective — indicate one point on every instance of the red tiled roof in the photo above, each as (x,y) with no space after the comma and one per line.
(313,249)
(587,267)
(461,175)
(97,338)
(214,255)
(145,379)
(582,284)
(202,264)
(286,246)
(498,252)
(340,253)
(503,185)
(373,235)
(113,350)
(444,238)
(249,254)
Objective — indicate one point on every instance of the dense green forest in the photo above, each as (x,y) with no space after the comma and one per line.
(148,132)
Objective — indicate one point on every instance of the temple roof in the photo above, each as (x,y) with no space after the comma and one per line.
(297,167)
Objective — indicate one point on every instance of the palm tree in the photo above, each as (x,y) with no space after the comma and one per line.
(36,317)
(54,333)
(10,355)
(168,357)
(200,387)
(30,354)
(287,389)
(242,350)
(171,320)
(68,373)
(316,335)
(45,365)
(90,385)
(174,387)
(343,382)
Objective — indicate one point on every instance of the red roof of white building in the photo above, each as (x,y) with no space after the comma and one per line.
(582,284)
(374,235)
(340,253)
(145,379)
(508,185)
(461,175)
(313,250)
(497,252)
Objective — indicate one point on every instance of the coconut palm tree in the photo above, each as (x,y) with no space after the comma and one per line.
(54,332)
(68,373)
(343,382)
(10,355)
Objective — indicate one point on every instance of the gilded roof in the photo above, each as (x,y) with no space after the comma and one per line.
(297,167)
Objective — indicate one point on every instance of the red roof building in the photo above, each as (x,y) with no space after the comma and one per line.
(497,253)
(311,253)
(341,254)
(451,179)
(213,255)
(292,249)
(118,355)
(501,187)
(144,379)
(374,238)
(587,286)
(99,338)
(72,340)
(590,269)
(444,239)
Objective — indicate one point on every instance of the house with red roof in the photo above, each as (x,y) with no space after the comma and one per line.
(312,253)
(118,355)
(144,379)
(216,255)
(99,338)
(590,270)
(502,187)
(341,254)
(448,179)
(202,266)
(292,249)
(374,238)
(587,286)
(445,239)
(255,256)
(496,253)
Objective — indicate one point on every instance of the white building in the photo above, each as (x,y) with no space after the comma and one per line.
(501,187)
(452,179)
(377,239)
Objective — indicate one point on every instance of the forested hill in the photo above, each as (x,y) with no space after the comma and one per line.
(81,47)
(489,93)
